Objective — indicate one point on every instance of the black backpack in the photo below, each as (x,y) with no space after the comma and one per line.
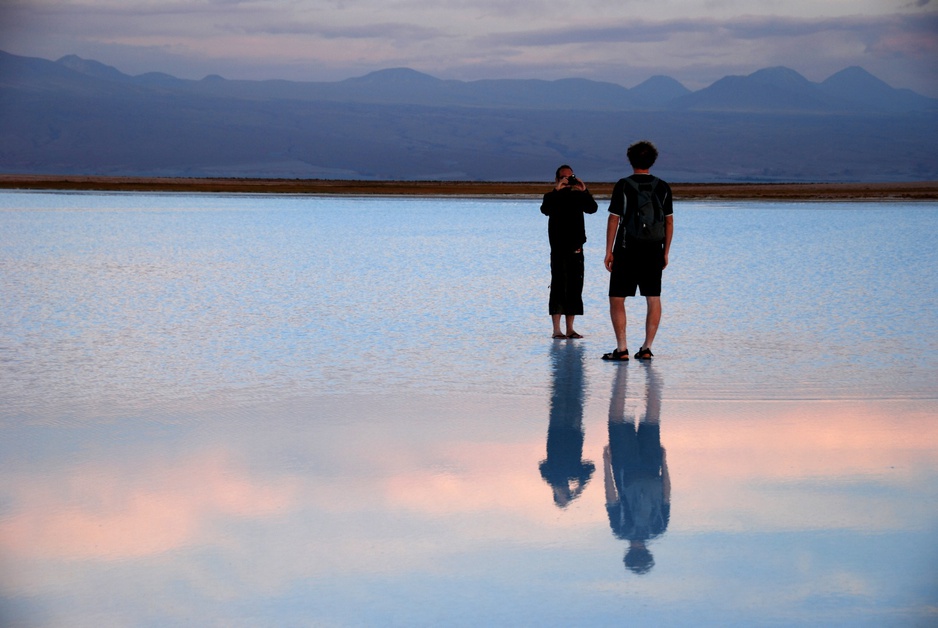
(645,221)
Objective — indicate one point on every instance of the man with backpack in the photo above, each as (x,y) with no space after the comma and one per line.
(638,239)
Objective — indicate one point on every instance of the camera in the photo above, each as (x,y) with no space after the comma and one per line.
(572,180)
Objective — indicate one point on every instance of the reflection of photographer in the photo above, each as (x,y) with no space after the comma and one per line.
(565,206)
(638,487)
(564,468)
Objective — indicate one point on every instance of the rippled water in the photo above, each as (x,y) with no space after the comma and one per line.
(115,300)
(288,410)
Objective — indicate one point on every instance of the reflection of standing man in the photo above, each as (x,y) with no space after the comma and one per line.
(565,206)
(638,487)
(564,468)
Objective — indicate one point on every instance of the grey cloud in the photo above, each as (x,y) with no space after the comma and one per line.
(740,28)
(761,28)
(633,31)
(394,31)
(130,9)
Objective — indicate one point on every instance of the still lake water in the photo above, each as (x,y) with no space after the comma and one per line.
(289,410)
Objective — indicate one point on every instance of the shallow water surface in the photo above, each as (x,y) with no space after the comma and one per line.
(285,410)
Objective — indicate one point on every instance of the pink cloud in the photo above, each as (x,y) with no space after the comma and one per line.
(105,513)
(918,45)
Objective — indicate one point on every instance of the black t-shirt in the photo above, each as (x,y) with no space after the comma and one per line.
(566,227)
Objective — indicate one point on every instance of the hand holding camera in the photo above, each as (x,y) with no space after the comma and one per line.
(574,183)
(568,181)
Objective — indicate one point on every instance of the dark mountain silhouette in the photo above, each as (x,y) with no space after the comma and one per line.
(658,91)
(394,76)
(781,89)
(404,86)
(772,89)
(857,89)
(76,116)
(92,68)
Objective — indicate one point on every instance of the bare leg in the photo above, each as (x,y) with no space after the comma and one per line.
(555,320)
(652,320)
(570,330)
(617,314)
(618,397)
(652,397)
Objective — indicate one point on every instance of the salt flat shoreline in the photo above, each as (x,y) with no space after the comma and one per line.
(905,191)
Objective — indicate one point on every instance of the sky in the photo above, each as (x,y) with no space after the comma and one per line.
(694,41)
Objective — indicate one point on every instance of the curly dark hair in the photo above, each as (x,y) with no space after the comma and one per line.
(642,155)
(639,560)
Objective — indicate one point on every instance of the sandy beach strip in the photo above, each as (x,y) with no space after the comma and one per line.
(904,191)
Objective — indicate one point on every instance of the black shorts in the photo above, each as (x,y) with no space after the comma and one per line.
(636,451)
(637,267)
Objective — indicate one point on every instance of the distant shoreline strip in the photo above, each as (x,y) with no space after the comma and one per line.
(891,191)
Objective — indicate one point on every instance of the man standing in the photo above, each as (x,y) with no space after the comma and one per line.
(638,239)
(565,206)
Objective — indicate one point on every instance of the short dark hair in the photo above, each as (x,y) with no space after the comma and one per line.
(557,174)
(642,155)
(638,560)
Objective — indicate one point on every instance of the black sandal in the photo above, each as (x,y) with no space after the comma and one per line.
(617,356)
(644,354)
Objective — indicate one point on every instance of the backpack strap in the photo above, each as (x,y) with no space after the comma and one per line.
(635,184)
(654,183)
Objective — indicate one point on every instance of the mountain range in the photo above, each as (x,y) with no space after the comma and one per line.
(79,116)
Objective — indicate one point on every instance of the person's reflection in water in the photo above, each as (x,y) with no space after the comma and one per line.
(638,488)
(564,469)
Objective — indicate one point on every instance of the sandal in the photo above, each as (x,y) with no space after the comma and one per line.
(573,334)
(617,356)
(559,336)
(644,354)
